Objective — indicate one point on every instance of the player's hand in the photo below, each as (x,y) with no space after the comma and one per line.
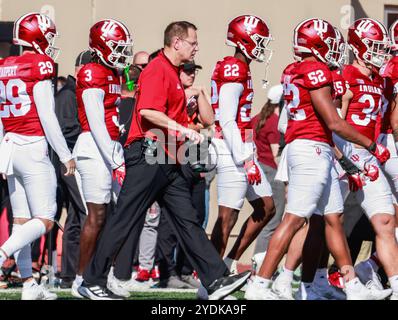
(379,151)
(70,168)
(119,174)
(355,182)
(252,172)
(371,171)
(4,176)
(192,135)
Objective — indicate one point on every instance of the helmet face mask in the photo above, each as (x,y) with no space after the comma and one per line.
(52,51)
(378,52)
(122,54)
(261,52)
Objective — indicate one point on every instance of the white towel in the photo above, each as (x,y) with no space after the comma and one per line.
(282,172)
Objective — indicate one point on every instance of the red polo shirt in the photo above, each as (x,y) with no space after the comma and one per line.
(267,135)
(159,88)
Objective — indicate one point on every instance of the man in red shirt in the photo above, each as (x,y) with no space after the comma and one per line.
(161,108)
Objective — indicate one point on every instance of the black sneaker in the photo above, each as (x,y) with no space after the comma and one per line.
(224,286)
(66,283)
(95,292)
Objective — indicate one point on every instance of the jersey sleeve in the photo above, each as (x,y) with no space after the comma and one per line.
(313,75)
(42,68)
(234,71)
(91,76)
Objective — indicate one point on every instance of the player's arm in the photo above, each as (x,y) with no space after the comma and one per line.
(206,114)
(161,120)
(345,102)
(394,118)
(44,99)
(228,106)
(93,100)
(323,104)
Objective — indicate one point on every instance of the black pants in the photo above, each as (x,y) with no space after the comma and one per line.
(73,225)
(144,184)
(170,256)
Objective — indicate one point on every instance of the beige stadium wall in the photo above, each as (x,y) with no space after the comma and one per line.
(147,20)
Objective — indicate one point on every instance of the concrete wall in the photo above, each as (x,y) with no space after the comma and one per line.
(147,21)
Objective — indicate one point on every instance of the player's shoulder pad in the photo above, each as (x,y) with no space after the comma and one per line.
(92,75)
(42,67)
(313,74)
(231,69)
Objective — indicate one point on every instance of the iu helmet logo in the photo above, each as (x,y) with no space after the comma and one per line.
(43,22)
(320,27)
(318,151)
(250,23)
(363,27)
(108,27)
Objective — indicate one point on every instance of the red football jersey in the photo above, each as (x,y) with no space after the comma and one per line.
(390,74)
(228,70)
(339,85)
(18,76)
(298,79)
(366,102)
(95,75)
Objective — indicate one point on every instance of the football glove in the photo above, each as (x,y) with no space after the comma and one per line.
(379,151)
(119,173)
(371,171)
(355,182)
(252,172)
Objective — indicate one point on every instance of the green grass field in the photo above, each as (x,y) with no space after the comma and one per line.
(15,294)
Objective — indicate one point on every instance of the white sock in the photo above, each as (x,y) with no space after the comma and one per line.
(262,281)
(231,264)
(29,283)
(2,258)
(394,283)
(286,273)
(29,232)
(55,262)
(79,279)
(23,257)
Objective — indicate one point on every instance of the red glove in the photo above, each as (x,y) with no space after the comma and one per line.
(380,152)
(371,171)
(355,182)
(119,174)
(252,172)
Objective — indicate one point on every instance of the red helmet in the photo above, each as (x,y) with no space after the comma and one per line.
(318,38)
(37,31)
(368,39)
(251,35)
(394,36)
(112,43)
